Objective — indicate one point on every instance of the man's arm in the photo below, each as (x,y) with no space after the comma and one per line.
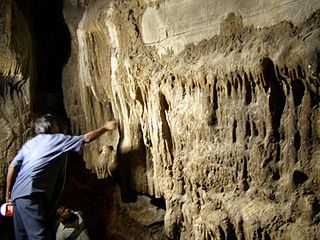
(93,135)
(10,176)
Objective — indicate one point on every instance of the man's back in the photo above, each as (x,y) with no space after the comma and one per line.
(41,163)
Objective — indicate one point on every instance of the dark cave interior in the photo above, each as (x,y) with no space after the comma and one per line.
(51,50)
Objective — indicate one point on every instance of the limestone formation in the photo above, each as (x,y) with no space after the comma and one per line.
(219,99)
(16,70)
(218,110)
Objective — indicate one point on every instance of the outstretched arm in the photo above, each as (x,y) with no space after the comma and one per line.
(93,135)
(10,176)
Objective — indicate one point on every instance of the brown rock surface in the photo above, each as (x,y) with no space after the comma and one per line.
(226,128)
(218,111)
(16,70)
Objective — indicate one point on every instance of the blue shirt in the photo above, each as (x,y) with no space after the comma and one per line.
(40,163)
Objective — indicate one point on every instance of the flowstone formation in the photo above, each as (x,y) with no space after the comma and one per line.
(218,110)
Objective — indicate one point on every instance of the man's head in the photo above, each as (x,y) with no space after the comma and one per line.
(63,213)
(46,124)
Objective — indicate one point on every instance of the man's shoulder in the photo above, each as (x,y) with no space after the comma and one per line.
(44,140)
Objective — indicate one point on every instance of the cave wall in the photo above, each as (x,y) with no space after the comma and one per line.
(16,82)
(218,107)
(218,110)
(16,75)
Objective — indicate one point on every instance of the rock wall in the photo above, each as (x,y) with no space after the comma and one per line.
(218,110)
(218,105)
(16,73)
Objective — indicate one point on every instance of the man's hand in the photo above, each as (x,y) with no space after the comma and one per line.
(93,135)
(110,125)
(8,197)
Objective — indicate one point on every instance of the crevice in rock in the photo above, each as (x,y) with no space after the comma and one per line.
(166,132)
(297,91)
(248,127)
(275,94)
(299,177)
(221,233)
(248,89)
(234,131)
(297,141)
(158,202)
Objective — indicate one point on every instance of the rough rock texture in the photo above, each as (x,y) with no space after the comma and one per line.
(16,70)
(218,104)
(218,109)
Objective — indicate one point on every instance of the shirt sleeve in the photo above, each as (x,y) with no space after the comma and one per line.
(18,159)
(73,143)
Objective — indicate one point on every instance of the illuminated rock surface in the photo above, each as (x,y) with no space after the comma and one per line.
(218,109)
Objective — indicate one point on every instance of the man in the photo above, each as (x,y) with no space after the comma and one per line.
(71,225)
(39,164)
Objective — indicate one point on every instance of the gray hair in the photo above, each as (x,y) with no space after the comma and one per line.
(44,124)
